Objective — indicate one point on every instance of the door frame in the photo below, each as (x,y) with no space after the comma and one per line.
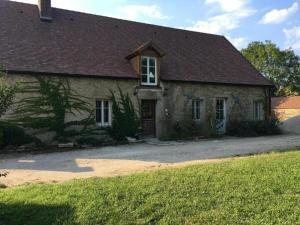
(224,99)
(154,111)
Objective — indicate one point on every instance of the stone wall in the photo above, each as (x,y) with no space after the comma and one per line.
(173,98)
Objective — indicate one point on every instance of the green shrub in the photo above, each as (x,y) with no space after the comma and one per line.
(89,141)
(185,129)
(126,122)
(253,128)
(14,135)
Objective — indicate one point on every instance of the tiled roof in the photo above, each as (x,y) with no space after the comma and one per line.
(292,102)
(82,44)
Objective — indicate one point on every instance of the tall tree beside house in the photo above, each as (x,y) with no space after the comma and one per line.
(281,66)
(47,103)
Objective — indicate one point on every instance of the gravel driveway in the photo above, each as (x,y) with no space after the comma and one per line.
(120,160)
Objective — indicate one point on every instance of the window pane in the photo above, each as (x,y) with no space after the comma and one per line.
(193,110)
(144,78)
(144,70)
(98,111)
(258,111)
(105,111)
(196,109)
(152,80)
(144,61)
(152,70)
(151,62)
(220,109)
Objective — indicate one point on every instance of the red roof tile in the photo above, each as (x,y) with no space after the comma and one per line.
(83,44)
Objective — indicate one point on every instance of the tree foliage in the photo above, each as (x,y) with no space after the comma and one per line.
(125,119)
(7,93)
(280,66)
(46,104)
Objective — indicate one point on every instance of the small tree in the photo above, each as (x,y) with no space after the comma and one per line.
(125,119)
(47,105)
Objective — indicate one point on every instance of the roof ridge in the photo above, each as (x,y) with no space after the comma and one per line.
(124,20)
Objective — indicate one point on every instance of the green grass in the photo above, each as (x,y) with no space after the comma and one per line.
(260,190)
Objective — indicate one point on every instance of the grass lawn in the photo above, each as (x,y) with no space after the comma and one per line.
(260,190)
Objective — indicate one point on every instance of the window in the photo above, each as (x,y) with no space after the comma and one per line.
(258,110)
(220,109)
(148,70)
(196,109)
(103,113)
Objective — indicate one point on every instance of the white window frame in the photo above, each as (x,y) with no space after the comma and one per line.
(101,123)
(148,71)
(196,109)
(258,113)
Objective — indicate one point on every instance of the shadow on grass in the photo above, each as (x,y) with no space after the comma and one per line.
(29,214)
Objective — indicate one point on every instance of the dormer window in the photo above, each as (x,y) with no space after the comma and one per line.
(148,70)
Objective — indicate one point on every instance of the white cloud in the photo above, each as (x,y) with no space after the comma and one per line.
(276,16)
(114,8)
(229,5)
(135,12)
(232,13)
(214,25)
(239,42)
(292,38)
(221,23)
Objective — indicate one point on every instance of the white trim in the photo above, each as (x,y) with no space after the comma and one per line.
(148,70)
(196,109)
(260,111)
(222,129)
(102,123)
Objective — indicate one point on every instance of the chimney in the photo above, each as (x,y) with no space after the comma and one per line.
(45,10)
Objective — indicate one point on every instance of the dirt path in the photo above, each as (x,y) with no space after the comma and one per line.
(120,160)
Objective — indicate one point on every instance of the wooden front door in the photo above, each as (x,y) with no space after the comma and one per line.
(148,117)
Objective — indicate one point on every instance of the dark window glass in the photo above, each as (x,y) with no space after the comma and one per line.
(152,80)
(144,62)
(144,78)
(196,109)
(98,111)
(151,62)
(106,111)
(152,70)
(144,70)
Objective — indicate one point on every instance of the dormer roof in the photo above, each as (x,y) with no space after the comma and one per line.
(149,45)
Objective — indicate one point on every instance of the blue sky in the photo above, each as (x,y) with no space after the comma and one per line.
(241,21)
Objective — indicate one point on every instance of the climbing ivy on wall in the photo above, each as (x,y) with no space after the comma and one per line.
(47,103)
(7,93)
